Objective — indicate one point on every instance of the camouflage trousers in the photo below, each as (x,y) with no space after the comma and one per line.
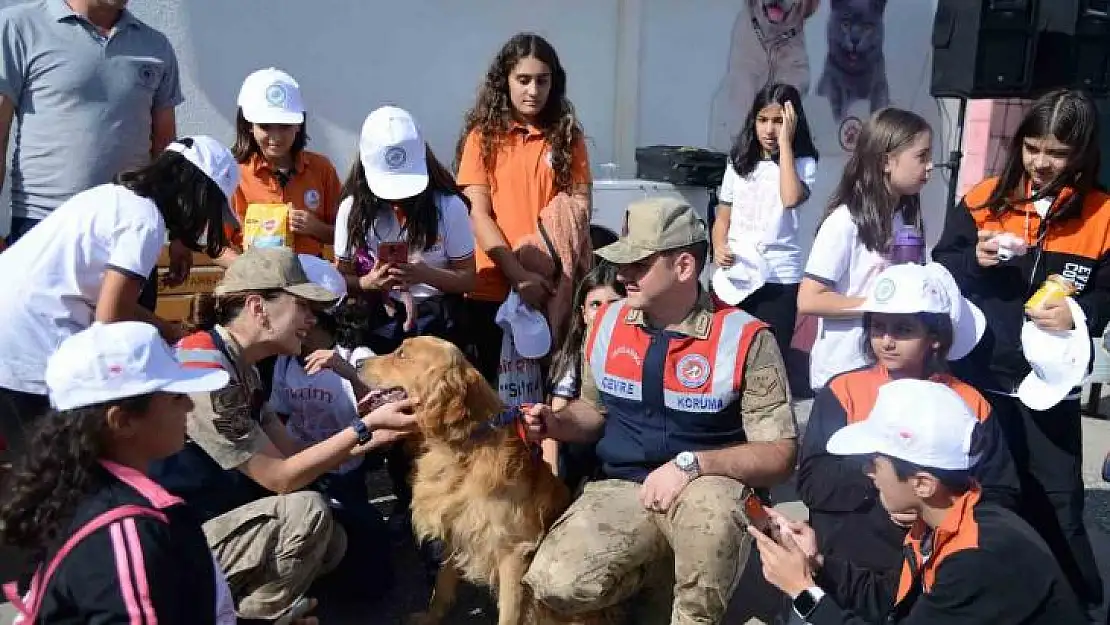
(272,549)
(602,550)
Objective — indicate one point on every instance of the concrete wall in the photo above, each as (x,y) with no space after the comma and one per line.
(641,71)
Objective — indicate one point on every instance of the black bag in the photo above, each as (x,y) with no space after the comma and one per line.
(679,165)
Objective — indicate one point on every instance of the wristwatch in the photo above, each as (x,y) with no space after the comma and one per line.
(806,602)
(687,461)
(361,431)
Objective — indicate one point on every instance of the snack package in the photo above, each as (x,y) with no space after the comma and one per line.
(267,225)
(1054,287)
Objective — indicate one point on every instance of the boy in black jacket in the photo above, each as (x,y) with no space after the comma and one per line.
(965,560)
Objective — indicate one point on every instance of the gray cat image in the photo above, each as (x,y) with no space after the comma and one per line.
(855,67)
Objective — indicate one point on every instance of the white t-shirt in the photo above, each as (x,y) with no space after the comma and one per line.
(454,241)
(53,274)
(758,216)
(318,406)
(840,260)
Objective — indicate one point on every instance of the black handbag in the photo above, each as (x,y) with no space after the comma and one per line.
(680,165)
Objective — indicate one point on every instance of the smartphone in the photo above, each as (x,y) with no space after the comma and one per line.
(759,518)
(393,252)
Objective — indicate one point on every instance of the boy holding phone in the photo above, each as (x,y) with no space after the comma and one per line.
(967,560)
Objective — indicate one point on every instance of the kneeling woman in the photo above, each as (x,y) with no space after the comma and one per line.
(915,321)
(250,481)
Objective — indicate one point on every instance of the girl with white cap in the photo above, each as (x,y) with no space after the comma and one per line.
(403,228)
(111,544)
(89,259)
(915,321)
(279,177)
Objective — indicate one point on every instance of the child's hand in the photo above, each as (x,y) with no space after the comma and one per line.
(378,279)
(408,274)
(305,222)
(723,258)
(322,359)
(789,125)
(1053,316)
(986,249)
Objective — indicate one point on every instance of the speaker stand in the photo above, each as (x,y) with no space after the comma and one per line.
(956,155)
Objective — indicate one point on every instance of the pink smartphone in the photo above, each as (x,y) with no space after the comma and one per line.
(393,252)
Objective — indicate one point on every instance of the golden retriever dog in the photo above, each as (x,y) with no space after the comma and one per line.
(478,485)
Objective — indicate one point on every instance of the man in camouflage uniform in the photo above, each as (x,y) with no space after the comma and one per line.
(690,409)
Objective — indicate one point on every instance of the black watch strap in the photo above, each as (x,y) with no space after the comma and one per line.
(361,431)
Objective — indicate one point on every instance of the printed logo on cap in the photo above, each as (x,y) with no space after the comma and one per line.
(884,290)
(275,94)
(312,199)
(692,370)
(396,157)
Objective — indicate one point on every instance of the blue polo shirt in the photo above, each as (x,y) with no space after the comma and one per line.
(83,100)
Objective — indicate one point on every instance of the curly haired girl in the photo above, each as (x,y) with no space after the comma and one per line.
(521,145)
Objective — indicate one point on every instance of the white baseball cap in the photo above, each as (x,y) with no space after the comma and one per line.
(111,361)
(325,274)
(270,96)
(211,157)
(1059,361)
(936,434)
(529,328)
(911,288)
(746,275)
(393,154)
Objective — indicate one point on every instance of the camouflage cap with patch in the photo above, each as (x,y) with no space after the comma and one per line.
(655,225)
(270,269)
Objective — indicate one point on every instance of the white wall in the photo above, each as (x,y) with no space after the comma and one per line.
(354,55)
(640,71)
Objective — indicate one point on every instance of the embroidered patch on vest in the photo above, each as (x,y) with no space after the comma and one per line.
(692,370)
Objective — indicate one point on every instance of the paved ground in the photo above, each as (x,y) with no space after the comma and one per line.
(754,602)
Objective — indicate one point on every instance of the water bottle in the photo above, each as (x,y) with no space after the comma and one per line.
(908,247)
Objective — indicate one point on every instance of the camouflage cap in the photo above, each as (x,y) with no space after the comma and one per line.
(655,225)
(269,269)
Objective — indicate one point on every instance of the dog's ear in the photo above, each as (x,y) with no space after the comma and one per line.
(482,401)
(458,402)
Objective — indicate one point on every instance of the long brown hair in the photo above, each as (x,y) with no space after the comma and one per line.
(492,114)
(60,468)
(1071,117)
(421,210)
(246,147)
(863,186)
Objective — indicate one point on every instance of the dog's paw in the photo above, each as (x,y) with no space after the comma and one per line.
(421,618)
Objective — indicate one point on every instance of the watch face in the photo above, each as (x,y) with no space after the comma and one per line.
(685,460)
(804,603)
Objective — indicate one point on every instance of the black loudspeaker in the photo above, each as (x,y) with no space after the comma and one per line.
(1092,48)
(1020,48)
(985,48)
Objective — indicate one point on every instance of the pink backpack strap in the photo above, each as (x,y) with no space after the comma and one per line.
(41,580)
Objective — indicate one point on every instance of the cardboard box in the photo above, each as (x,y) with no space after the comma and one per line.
(200,280)
(174,307)
(200,259)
